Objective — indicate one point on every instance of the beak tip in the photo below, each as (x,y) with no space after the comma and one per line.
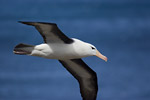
(98,54)
(105,59)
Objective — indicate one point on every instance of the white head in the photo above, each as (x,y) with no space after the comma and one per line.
(86,49)
(94,52)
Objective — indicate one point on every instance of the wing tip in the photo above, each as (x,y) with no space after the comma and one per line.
(36,23)
(27,23)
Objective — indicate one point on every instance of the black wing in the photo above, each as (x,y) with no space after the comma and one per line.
(86,77)
(50,32)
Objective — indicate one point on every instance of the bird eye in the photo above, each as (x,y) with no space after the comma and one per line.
(92,47)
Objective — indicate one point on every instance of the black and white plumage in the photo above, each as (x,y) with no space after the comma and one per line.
(69,52)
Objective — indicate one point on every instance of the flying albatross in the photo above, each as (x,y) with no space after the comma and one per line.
(69,52)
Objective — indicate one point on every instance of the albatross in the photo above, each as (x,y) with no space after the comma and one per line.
(68,51)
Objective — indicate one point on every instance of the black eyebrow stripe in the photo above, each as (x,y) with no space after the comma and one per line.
(92,47)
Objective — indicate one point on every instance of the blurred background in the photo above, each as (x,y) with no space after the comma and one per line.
(120,29)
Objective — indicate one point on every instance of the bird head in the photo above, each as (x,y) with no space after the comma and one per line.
(95,52)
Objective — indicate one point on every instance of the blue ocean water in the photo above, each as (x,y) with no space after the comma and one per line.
(120,29)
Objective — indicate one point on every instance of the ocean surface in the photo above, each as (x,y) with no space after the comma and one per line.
(120,29)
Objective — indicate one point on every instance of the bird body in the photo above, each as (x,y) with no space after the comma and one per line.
(63,51)
(69,52)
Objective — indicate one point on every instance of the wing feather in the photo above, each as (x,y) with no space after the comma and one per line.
(50,32)
(86,77)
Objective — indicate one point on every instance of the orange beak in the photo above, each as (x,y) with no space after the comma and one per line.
(98,54)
